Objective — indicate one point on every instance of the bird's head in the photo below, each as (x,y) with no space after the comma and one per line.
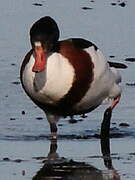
(44,35)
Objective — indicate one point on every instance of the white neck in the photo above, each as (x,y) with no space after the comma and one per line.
(51,84)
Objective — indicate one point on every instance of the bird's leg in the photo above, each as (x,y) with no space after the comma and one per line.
(52,119)
(105,126)
(53,129)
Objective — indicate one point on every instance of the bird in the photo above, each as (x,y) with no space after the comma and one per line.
(67,77)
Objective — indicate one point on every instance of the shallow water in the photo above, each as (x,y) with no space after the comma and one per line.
(24,131)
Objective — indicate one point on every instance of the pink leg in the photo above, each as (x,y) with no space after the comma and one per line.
(114,102)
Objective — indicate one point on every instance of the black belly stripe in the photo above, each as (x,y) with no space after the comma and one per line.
(83,66)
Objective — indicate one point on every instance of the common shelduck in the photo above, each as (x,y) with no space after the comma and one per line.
(67,77)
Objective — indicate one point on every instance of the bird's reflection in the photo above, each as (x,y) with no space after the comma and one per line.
(56,167)
(112,173)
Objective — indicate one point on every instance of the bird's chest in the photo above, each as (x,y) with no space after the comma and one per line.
(52,84)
